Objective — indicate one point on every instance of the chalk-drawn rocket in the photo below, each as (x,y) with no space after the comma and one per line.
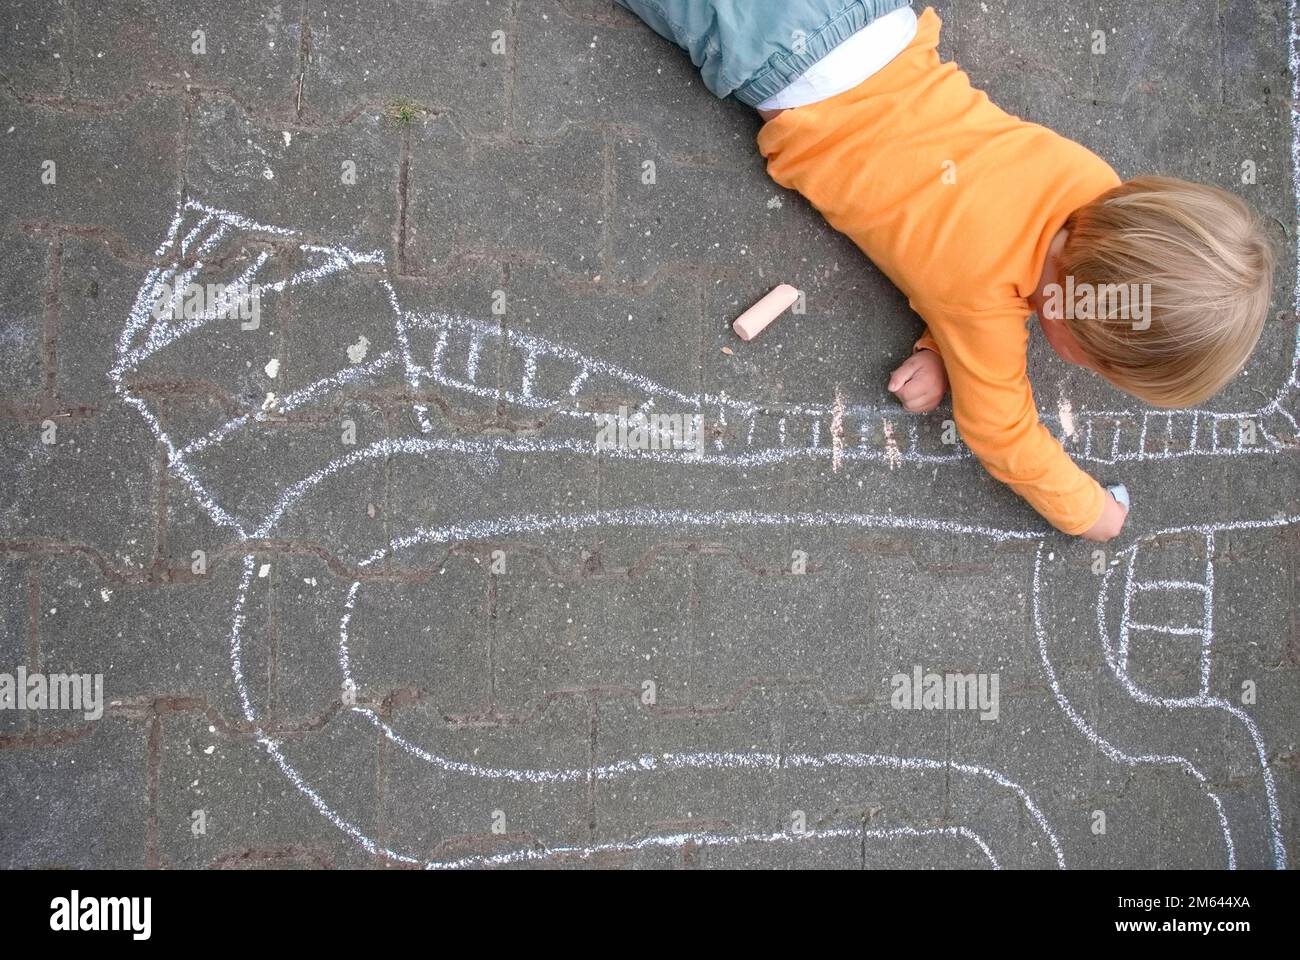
(451,353)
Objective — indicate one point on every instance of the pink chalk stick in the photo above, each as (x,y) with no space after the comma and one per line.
(753,321)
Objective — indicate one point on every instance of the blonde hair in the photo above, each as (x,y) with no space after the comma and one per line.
(1206,265)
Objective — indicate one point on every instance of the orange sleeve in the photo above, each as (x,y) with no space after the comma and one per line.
(927,342)
(993,405)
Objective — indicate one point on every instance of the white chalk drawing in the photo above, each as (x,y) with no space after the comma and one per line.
(745,434)
(554,378)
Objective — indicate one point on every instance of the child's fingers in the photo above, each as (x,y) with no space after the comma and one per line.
(903,373)
(922,402)
(919,394)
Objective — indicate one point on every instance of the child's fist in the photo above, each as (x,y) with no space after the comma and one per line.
(920,381)
(1110,523)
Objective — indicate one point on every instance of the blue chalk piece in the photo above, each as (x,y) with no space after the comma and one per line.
(1120,493)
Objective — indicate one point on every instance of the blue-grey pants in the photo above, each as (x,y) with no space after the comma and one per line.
(756,48)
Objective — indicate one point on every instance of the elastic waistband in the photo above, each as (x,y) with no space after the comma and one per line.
(782,69)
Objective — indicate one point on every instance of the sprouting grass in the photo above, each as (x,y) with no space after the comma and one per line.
(403,110)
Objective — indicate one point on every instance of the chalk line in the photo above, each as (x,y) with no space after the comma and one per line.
(1117,660)
(1108,749)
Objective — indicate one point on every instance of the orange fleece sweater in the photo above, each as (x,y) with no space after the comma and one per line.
(957,202)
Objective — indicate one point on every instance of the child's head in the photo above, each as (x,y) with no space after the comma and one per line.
(1181,277)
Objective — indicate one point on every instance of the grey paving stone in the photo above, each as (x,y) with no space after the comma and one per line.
(650,332)
(15,630)
(115,169)
(1166,666)
(299,179)
(78,802)
(1033,742)
(251,817)
(190,521)
(1159,51)
(531,603)
(1189,732)
(640,626)
(321,325)
(1246,809)
(507,487)
(1004,67)
(443,56)
(885,766)
(1254,66)
(964,616)
(624,636)
(91,624)
(575,70)
(601,11)
(96,294)
(22,316)
(95,485)
(271,482)
(292,640)
(728,210)
(695,492)
(951,13)
(35,46)
(779,627)
(736,799)
(1133,834)
(432,635)
(1286,779)
(545,203)
(513,787)
(252,53)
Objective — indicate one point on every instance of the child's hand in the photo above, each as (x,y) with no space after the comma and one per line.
(1111,521)
(920,381)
